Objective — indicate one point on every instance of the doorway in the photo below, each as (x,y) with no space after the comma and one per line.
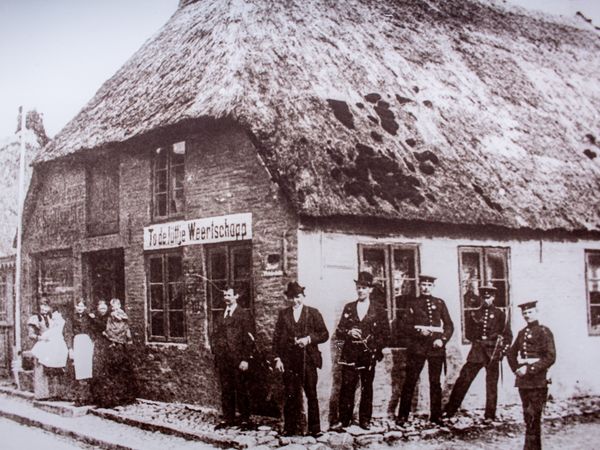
(104,275)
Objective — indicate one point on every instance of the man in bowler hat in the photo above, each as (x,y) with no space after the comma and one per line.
(430,328)
(364,331)
(298,332)
(490,336)
(232,346)
(530,356)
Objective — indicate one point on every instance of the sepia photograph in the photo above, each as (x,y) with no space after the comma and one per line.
(300,224)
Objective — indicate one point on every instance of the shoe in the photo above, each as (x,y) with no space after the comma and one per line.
(436,420)
(246,425)
(222,425)
(365,425)
(315,434)
(338,427)
(401,421)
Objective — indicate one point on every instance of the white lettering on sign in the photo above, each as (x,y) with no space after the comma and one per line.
(233,227)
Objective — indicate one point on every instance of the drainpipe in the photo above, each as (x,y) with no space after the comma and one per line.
(17,362)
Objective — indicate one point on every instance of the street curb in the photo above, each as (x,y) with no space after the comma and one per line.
(212,439)
(55,429)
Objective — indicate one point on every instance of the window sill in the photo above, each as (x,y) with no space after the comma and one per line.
(159,345)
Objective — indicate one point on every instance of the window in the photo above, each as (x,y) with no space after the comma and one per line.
(54,277)
(480,266)
(592,276)
(166,314)
(168,181)
(395,268)
(103,198)
(229,265)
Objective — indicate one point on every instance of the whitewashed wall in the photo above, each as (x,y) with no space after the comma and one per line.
(551,272)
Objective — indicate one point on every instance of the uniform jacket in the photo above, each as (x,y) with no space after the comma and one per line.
(287,330)
(428,311)
(485,325)
(533,341)
(231,336)
(375,335)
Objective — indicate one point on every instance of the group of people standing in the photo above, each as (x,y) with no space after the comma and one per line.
(363,332)
(103,374)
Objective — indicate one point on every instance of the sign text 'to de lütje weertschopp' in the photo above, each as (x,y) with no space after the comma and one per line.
(233,227)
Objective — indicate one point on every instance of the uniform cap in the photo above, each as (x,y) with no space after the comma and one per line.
(487,289)
(528,305)
(423,277)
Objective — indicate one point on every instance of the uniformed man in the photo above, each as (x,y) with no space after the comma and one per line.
(364,331)
(490,336)
(232,347)
(430,328)
(530,356)
(298,332)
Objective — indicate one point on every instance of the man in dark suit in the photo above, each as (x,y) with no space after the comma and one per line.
(232,347)
(364,330)
(430,328)
(298,332)
(490,336)
(530,356)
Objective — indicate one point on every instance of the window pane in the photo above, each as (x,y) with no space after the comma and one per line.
(218,265)
(176,326)
(496,262)
(593,266)
(501,299)
(242,263)
(374,261)
(243,289)
(157,326)
(160,181)
(175,269)
(595,316)
(404,272)
(160,205)
(470,278)
(216,294)
(594,294)
(155,270)
(156,296)
(175,296)
(161,158)
(177,177)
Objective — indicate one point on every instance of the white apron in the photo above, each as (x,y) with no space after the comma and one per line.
(83,353)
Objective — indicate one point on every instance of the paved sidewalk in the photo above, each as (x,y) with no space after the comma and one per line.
(93,430)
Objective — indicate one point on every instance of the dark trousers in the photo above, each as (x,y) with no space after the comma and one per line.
(234,390)
(467,374)
(350,377)
(413,370)
(294,382)
(533,404)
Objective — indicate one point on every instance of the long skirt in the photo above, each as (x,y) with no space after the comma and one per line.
(83,354)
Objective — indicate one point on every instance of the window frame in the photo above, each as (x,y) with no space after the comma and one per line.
(166,310)
(229,250)
(484,252)
(592,331)
(393,311)
(170,186)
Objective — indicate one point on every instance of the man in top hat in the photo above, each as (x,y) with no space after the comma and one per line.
(364,330)
(232,345)
(490,336)
(529,357)
(430,329)
(298,332)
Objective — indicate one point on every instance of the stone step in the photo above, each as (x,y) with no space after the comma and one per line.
(64,409)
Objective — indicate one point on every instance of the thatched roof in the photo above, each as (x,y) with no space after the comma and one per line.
(449,111)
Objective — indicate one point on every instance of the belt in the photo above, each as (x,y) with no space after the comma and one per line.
(522,361)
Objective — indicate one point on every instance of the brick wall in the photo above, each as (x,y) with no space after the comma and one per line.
(223,175)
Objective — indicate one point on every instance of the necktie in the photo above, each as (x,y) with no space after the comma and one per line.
(227,312)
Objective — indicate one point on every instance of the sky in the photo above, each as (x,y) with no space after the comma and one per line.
(55,54)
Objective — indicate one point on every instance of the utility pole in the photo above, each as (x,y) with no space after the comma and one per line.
(17,361)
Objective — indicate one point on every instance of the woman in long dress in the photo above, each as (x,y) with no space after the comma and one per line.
(100,383)
(83,351)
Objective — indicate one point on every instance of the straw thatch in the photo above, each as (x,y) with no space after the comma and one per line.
(449,111)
